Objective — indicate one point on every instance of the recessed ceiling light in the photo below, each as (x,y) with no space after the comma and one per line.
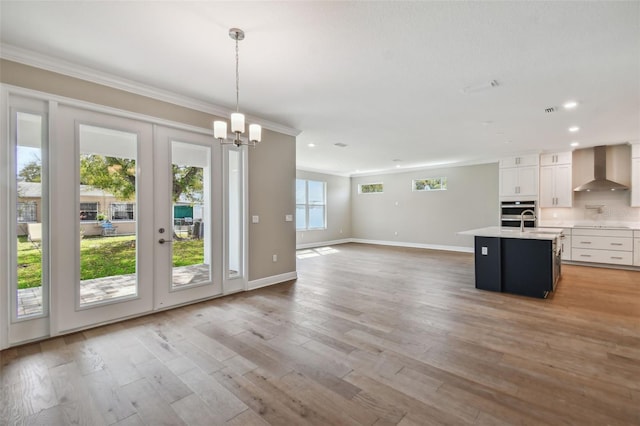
(574,128)
(575,143)
(570,105)
(311,145)
(397,166)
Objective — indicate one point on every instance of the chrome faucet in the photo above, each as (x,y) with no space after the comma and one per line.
(522,218)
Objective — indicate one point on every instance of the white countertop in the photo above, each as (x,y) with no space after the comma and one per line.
(502,232)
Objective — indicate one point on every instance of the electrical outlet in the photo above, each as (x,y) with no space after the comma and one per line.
(485,251)
(275,257)
(255,219)
(288,218)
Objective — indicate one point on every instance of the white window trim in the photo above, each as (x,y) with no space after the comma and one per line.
(307,205)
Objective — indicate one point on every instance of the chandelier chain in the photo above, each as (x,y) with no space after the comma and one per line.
(237,78)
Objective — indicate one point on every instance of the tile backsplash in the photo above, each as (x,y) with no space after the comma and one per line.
(606,208)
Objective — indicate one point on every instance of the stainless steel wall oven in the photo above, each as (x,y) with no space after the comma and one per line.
(510,212)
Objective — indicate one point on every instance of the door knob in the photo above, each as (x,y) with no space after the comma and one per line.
(162,241)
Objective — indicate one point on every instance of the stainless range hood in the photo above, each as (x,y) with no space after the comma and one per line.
(600,183)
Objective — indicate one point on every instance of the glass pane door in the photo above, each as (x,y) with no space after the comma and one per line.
(108,238)
(191,248)
(186,218)
(102,191)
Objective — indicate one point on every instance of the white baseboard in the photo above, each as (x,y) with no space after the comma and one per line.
(274,279)
(323,243)
(414,245)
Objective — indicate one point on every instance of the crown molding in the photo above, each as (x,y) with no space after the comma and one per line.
(321,171)
(49,63)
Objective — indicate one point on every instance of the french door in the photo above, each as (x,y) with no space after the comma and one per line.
(109,217)
(186,169)
(136,210)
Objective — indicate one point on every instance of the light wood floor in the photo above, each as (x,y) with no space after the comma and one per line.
(367,335)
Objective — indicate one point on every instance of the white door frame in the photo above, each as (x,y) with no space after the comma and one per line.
(13,333)
(67,314)
(164,295)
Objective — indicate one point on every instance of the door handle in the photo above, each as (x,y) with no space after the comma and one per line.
(162,241)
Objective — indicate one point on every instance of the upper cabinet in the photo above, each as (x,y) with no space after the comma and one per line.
(557,158)
(519,177)
(555,180)
(635,175)
(521,161)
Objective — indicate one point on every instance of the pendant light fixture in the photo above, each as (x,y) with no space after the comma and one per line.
(237,118)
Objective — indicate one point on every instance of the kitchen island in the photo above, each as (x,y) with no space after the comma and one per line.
(509,260)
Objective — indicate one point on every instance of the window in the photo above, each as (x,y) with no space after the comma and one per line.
(370,188)
(122,211)
(310,205)
(89,211)
(430,184)
(27,211)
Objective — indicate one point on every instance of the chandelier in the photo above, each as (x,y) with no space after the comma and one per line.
(237,118)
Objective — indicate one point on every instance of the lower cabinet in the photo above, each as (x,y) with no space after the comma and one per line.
(636,249)
(603,256)
(565,243)
(527,267)
(613,246)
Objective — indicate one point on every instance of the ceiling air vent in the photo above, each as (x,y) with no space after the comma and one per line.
(550,109)
(340,144)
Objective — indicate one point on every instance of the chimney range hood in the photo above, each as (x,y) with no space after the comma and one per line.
(600,183)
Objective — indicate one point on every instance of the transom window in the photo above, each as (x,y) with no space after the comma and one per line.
(430,184)
(370,188)
(311,205)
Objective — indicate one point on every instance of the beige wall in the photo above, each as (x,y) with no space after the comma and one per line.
(271,165)
(338,209)
(432,217)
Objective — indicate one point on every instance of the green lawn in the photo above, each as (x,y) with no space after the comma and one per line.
(102,257)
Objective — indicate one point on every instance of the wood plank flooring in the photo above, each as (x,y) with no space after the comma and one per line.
(367,335)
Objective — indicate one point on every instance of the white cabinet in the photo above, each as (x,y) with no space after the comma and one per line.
(555,180)
(565,244)
(636,248)
(635,175)
(612,246)
(555,186)
(521,161)
(519,177)
(557,158)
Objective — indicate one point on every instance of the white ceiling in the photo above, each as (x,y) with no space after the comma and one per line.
(385,78)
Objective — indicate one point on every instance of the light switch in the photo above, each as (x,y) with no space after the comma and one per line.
(255,219)
(288,218)
(485,251)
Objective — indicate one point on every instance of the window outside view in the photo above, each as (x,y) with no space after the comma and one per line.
(310,205)
(430,184)
(370,188)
